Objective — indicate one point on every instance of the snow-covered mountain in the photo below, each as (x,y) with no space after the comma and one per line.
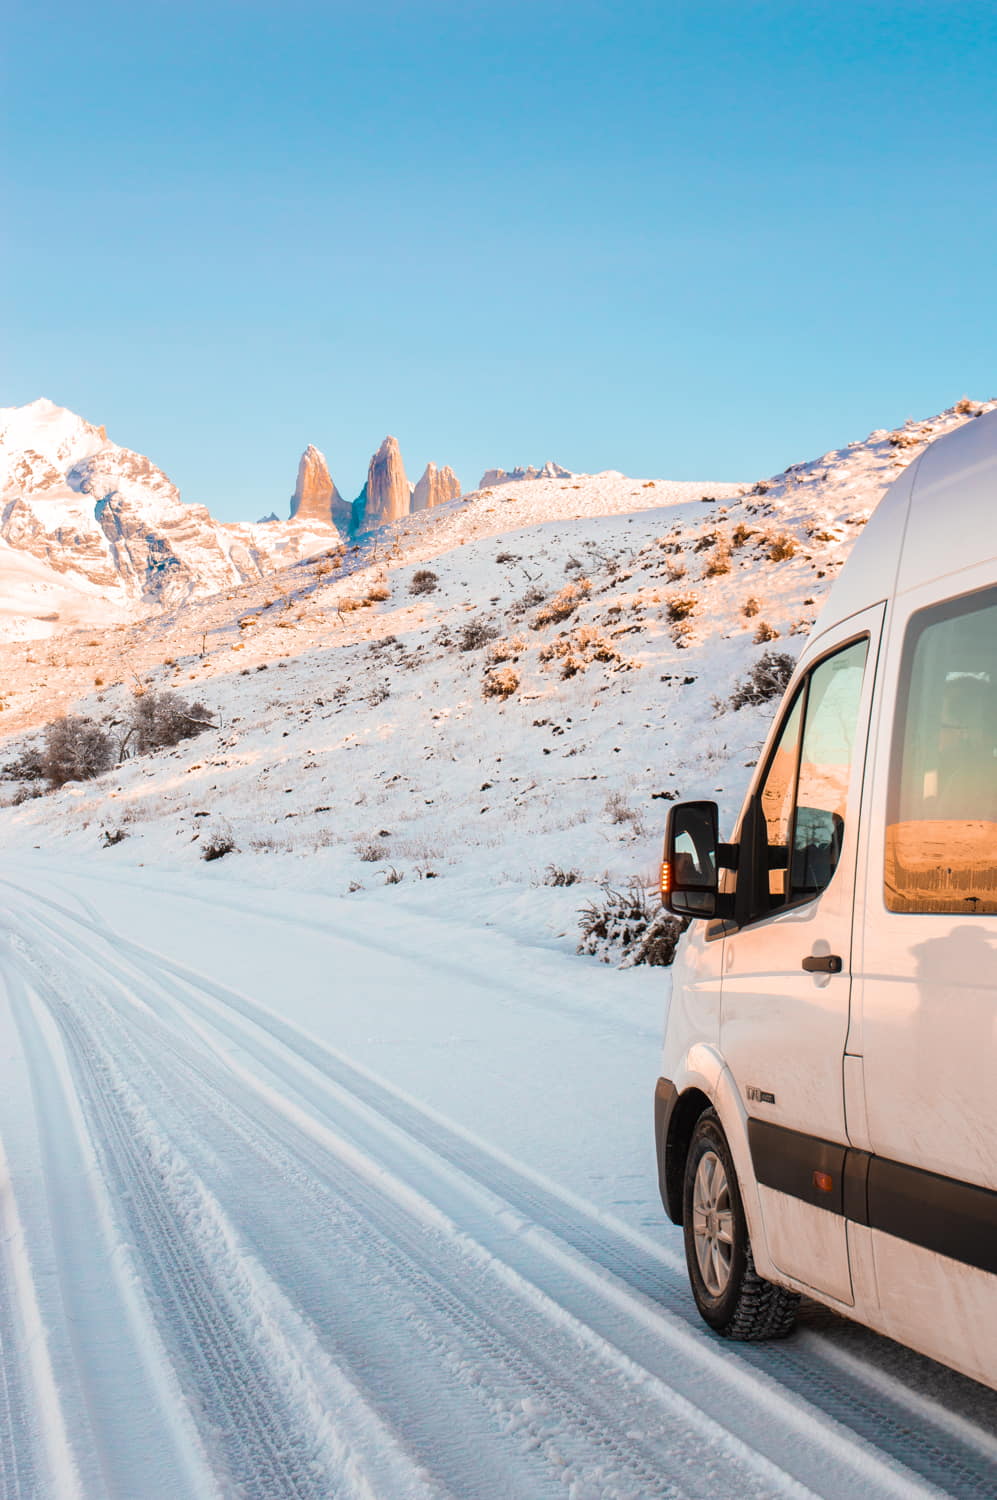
(92,532)
(516,680)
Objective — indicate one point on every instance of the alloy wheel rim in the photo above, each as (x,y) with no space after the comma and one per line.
(713,1223)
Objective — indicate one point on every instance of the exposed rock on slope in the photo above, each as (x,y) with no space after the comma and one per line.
(436,487)
(550,470)
(387,495)
(315,496)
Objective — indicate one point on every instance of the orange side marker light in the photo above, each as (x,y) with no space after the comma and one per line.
(824,1182)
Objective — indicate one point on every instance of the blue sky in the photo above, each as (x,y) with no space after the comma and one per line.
(687,240)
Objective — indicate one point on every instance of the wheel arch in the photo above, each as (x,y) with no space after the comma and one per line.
(675,1127)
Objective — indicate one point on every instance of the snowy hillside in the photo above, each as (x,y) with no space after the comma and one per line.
(326,1165)
(102,525)
(520,717)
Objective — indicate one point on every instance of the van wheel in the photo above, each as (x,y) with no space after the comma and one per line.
(730,1294)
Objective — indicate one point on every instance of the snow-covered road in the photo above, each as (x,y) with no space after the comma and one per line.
(302,1197)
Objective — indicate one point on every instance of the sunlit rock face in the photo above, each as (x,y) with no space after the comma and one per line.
(387,495)
(436,487)
(315,496)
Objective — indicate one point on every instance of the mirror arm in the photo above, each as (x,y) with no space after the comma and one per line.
(727,856)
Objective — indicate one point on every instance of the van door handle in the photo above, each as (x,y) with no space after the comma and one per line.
(826,963)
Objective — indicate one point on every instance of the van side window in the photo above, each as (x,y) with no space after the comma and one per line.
(941,833)
(835,690)
(803,796)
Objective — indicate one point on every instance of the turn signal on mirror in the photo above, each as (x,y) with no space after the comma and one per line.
(665,879)
(824,1182)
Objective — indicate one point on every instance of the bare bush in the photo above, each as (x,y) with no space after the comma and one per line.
(76,749)
(475,634)
(534,595)
(502,682)
(554,875)
(674,569)
(218,844)
(393,876)
(423,581)
(741,534)
(28,766)
(623,929)
(160,720)
(750,607)
(766,680)
(111,836)
(377,593)
(765,632)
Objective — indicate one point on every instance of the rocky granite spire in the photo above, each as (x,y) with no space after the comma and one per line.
(386,496)
(435,487)
(315,496)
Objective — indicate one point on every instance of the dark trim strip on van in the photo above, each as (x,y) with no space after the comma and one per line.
(952,1218)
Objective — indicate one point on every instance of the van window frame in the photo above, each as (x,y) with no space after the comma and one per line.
(789,705)
(937,613)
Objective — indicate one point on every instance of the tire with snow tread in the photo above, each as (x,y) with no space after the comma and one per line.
(731,1296)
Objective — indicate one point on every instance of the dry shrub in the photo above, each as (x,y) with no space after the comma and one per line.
(76,749)
(28,766)
(346,606)
(766,680)
(718,561)
(750,607)
(218,844)
(563,604)
(620,812)
(502,682)
(475,634)
(765,632)
(423,581)
(622,928)
(508,650)
(674,569)
(741,534)
(554,875)
(377,593)
(161,720)
(371,851)
(681,606)
(780,545)
(579,649)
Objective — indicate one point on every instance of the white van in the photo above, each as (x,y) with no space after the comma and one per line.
(826,1118)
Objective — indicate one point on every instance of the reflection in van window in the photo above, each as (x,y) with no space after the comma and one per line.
(777,800)
(804,795)
(825,769)
(941,835)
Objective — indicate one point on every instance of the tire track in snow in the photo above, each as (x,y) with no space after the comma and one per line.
(942,1449)
(573,1416)
(951,1460)
(237,1371)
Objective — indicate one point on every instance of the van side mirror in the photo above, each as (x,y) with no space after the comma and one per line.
(689,881)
